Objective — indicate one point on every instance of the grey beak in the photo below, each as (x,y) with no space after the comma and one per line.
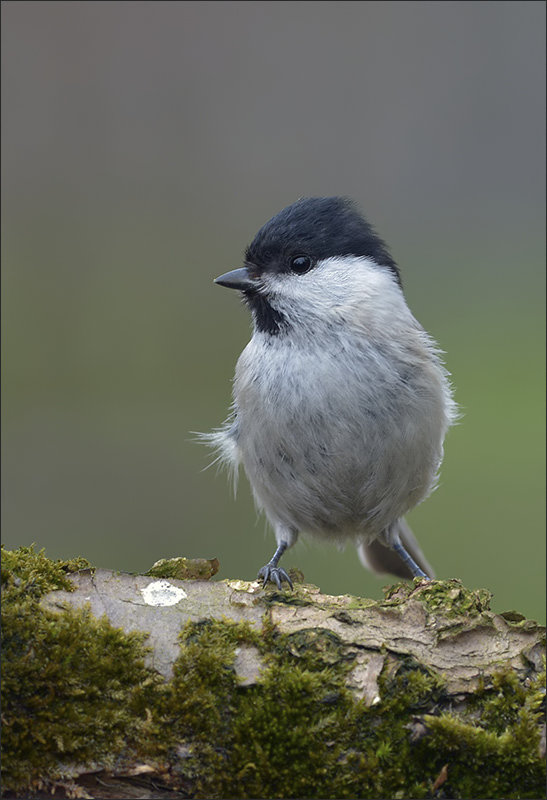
(236,279)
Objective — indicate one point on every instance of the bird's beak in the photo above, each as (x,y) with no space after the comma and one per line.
(237,279)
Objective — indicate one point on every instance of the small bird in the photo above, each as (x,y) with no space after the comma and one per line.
(340,400)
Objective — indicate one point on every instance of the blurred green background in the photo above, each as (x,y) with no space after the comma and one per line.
(144,143)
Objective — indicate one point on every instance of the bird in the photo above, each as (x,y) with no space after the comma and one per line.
(341,400)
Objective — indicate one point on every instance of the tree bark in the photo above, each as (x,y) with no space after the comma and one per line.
(429,663)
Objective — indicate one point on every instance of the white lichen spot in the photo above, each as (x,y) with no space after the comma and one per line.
(162,593)
(244,586)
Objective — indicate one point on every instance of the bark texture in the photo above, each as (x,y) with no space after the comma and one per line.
(154,686)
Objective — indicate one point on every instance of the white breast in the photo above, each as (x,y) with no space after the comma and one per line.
(341,420)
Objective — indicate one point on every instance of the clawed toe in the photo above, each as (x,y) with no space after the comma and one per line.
(274,574)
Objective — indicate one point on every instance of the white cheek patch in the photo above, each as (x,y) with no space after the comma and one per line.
(341,281)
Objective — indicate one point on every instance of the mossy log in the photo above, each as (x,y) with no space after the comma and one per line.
(145,686)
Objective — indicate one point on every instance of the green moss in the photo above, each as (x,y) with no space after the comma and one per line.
(299,732)
(497,753)
(492,748)
(28,573)
(75,690)
(271,739)
(450,597)
(359,602)
(185,569)
(517,620)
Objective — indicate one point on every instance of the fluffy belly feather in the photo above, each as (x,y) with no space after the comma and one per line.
(329,455)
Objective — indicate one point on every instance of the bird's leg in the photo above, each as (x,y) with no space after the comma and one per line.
(271,572)
(409,561)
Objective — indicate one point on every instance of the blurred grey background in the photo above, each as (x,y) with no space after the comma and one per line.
(144,143)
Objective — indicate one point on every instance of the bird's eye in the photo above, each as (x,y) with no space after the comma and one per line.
(301,264)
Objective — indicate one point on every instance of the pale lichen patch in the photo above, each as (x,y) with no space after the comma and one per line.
(162,593)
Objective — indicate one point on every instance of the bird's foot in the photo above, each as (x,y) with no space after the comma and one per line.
(274,574)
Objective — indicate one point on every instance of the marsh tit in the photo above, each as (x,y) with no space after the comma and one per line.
(341,401)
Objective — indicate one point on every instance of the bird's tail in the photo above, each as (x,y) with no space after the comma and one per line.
(380,558)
